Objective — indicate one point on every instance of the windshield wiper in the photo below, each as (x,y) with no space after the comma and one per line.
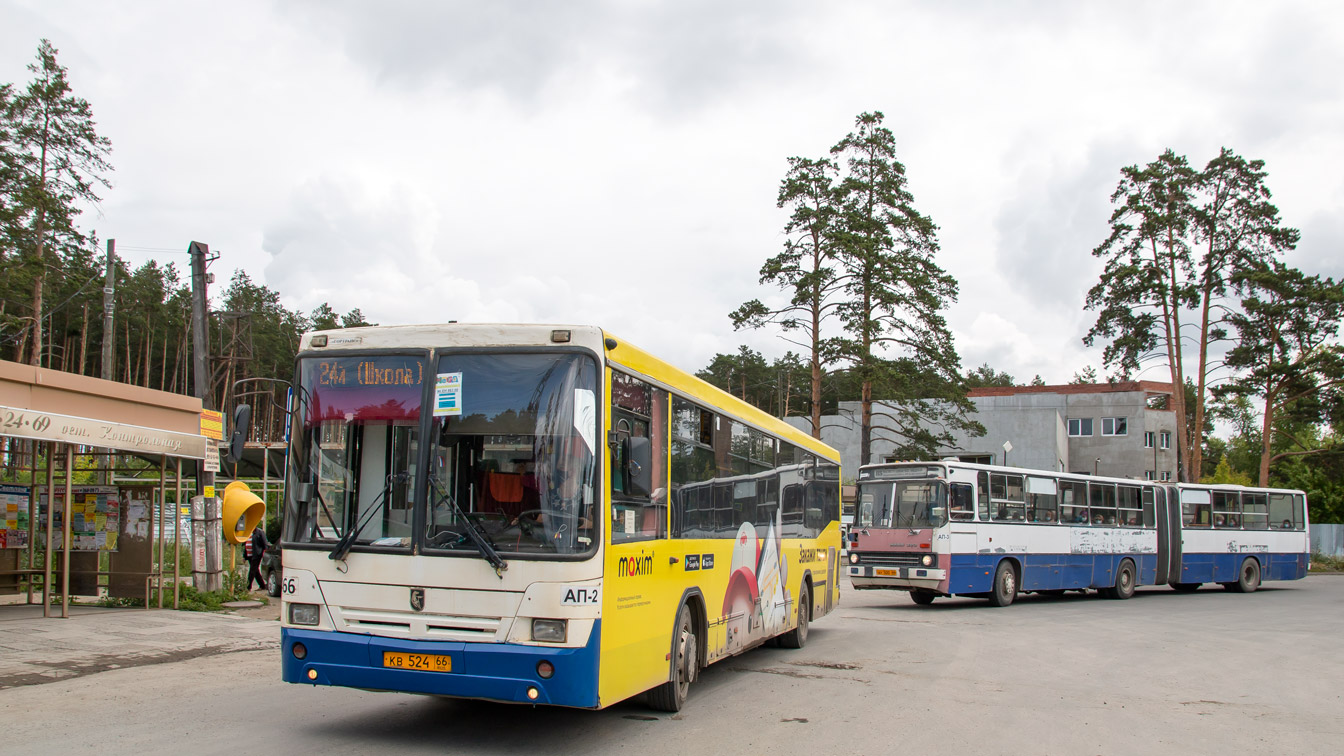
(343,546)
(478,539)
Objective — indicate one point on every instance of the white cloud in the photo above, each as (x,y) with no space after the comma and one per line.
(617,163)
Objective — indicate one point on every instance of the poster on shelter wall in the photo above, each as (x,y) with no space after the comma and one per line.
(13,517)
(95,516)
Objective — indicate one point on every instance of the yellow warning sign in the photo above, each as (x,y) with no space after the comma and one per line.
(209,491)
(212,424)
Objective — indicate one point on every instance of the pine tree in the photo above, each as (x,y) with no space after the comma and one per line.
(804,269)
(58,160)
(894,291)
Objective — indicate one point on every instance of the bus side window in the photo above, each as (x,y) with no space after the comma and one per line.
(638,410)
(1196,515)
(1281,511)
(984,496)
(963,498)
(1072,503)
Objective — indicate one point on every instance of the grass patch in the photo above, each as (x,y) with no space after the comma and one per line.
(1326,563)
(189,599)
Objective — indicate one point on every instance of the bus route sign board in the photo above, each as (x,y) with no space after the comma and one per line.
(212,424)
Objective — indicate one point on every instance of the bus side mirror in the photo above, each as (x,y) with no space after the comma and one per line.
(242,422)
(639,466)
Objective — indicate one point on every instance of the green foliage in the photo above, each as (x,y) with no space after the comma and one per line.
(1286,355)
(986,376)
(1321,476)
(1085,376)
(192,600)
(779,388)
(1224,474)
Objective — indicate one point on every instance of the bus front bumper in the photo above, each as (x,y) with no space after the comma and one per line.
(867,576)
(503,672)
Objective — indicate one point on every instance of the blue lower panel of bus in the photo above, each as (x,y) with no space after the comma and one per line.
(974,573)
(493,671)
(1226,567)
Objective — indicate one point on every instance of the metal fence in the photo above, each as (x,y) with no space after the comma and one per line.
(1327,539)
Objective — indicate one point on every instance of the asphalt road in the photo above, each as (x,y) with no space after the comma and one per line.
(1213,672)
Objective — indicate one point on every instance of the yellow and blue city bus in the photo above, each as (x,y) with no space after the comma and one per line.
(540,514)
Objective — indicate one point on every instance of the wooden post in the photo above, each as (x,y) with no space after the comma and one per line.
(163,486)
(177,532)
(65,529)
(51,518)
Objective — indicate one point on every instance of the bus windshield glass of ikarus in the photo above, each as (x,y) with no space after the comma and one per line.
(517,465)
(886,501)
(902,503)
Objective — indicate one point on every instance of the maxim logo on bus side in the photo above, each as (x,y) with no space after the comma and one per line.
(635,566)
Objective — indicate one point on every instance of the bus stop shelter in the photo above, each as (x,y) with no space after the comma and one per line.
(68,415)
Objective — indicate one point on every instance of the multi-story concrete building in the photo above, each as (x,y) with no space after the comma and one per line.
(1100,429)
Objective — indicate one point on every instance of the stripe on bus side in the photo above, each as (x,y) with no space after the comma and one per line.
(974,573)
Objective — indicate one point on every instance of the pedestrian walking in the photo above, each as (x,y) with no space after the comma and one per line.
(253,548)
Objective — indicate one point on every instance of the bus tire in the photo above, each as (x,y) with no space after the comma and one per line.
(923,598)
(1005,585)
(1124,582)
(797,637)
(1186,587)
(671,695)
(1249,578)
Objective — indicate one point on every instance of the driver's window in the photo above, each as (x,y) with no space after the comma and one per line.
(638,410)
(962,497)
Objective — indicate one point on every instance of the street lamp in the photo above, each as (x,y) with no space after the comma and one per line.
(1007,447)
(1096,465)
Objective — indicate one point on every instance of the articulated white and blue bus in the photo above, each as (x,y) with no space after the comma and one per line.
(959,529)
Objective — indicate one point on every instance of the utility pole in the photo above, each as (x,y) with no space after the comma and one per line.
(206,533)
(109,301)
(107,371)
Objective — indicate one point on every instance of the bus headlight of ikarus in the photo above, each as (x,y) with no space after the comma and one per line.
(927,560)
(303,614)
(548,630)
(853,557)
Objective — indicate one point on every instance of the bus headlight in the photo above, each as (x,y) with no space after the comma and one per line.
(927,560)
(548,630)
(303,614)
(853,558)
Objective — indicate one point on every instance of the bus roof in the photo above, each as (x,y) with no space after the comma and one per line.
(1069,475)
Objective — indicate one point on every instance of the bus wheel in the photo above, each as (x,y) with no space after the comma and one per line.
(1186,587)
(797,637)
(923,598)
(1124,582)
(1249,579)
(672,694)
(1005,585)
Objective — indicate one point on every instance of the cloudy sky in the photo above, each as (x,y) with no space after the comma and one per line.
(617,163)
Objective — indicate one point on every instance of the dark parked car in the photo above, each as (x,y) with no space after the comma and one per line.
(270,569)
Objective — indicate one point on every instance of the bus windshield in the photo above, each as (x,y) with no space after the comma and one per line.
(517,454)
(902,504)
(355,434)
(512,441)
